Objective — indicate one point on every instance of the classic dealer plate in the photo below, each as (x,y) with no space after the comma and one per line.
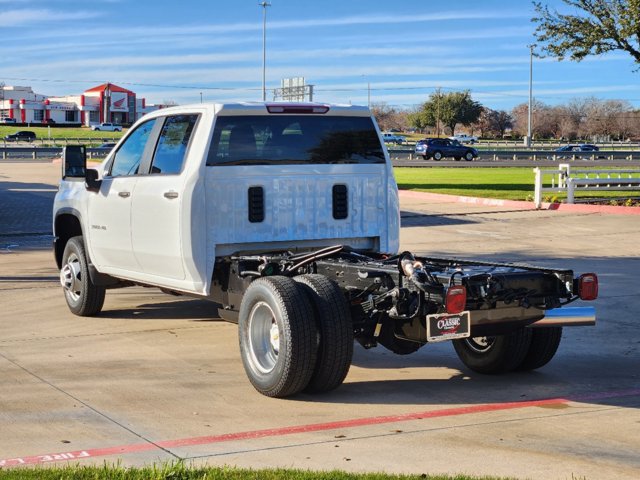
(447,326)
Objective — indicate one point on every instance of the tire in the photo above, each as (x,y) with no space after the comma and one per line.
(544,345)
(457,159)
(394,344)
(425,157)
(491,355)
(468,156)
(83,297)
(278,336)
(335,339)
(437,155)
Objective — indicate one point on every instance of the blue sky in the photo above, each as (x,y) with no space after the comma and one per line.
(403,50)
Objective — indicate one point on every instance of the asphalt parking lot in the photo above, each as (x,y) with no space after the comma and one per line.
(159,378)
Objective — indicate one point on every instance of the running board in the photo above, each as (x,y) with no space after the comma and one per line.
(567,317)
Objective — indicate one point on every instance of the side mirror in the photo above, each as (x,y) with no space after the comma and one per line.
(74,161)
(91,180)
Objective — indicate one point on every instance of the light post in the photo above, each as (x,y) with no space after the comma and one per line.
(529,133)
(200,97)
(264,6)
(368,91)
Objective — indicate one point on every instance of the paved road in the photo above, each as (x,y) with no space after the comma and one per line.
(159,378)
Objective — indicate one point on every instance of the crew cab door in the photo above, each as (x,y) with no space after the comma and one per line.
(110,208)
(156,220)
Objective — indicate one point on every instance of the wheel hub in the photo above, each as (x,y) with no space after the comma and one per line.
(480,344)
(264,337)
(70,277)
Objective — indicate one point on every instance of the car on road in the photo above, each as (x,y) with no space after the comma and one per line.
(464,138)
(107,127)
(582,147)
(107,145)
(393,138)
(439,148)
(7,120)
(21,136)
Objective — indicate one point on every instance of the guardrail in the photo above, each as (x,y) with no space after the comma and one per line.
(569,181)
(535,155)
(47,152)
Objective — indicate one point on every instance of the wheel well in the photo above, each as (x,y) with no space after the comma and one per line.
(66,227)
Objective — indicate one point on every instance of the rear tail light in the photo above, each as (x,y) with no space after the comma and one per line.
(456,299)
(588,286)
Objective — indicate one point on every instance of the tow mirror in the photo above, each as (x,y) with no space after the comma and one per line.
(91,180)
(74,161)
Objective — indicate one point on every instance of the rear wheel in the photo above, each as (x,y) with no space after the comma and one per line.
(457,159)
(335,339)
(278,336)
(437,155)
(83,297)
(544,345)
(425,157)
(499,354)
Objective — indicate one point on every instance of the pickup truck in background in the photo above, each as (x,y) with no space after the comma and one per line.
(107,127)
(464,138)
(286,216)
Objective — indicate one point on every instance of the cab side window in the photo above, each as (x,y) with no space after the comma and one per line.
(129,156)
(173,143)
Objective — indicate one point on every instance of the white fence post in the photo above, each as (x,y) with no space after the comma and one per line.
(537,196)
(570,188)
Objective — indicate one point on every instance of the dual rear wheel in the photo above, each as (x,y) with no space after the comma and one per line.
(295,335)
(524,349)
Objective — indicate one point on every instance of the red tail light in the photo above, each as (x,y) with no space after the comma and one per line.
(456,299)
(588,286)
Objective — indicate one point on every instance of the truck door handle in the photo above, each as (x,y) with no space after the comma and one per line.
(124,194)
(170,194)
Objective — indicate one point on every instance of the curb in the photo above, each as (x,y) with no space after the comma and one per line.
(520,205)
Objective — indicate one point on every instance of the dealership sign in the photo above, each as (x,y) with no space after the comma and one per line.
(119,102)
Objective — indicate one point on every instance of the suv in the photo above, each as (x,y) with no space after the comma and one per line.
(438,148)
(22,135)
(7,120)
(107,127)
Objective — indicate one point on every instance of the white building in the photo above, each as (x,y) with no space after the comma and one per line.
(104,103)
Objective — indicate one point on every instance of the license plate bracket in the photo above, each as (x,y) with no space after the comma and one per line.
(448,326)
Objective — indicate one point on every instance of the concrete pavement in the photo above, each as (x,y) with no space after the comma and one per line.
(156,377)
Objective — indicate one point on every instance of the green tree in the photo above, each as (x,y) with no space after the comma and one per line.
(604,26)
(449,109)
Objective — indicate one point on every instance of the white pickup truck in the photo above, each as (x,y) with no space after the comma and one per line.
(287,217)
(464,138)
(107,127)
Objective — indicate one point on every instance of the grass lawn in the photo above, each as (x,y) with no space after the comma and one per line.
(510,183)
(42,133)
(181,472)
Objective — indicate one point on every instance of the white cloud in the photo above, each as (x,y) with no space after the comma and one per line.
(21,17)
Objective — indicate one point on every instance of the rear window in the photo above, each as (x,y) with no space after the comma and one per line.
(294,139)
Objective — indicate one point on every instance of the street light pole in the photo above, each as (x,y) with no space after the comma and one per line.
(200,97)
(529,133)
(264,6)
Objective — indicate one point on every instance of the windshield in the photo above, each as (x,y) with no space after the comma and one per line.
(291,139)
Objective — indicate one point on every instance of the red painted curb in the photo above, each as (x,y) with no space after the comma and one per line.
(317,427)
(520,205)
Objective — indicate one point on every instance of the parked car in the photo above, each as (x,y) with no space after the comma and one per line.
(49,121)
(438,148)
(107,127)
(464,138)
(22,135)
(583,147)
(7,120)
(107,145)
(393,138)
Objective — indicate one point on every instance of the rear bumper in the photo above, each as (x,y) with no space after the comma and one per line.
(568,317)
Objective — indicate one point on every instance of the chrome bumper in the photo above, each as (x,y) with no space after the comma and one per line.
(567,317)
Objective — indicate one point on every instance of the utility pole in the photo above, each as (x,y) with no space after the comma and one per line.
(264,6)
(438,112)
(529,132)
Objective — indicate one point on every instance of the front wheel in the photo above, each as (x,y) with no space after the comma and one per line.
(491,355)
(278,336)
(468,156)
(83,297)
